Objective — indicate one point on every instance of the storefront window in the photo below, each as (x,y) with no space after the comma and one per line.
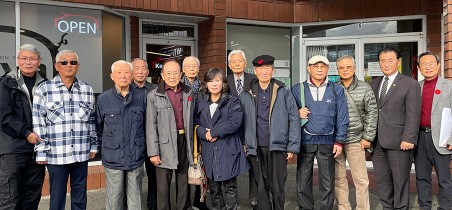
(7,37)
(258,40)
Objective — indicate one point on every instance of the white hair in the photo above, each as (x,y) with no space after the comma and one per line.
(30,48)
(62,52)
(347,57)
(191,57)
(121,62)
(140,59)
(236,52)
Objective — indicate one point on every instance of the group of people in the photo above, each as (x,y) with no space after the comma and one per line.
(244,122)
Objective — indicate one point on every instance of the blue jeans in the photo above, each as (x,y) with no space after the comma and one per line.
(58,177)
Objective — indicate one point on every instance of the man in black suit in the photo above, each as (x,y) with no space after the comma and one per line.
(399,104)
(240,81)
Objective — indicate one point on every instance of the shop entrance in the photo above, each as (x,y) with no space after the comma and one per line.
(365,51)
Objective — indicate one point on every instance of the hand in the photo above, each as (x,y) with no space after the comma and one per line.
(208,136)
(213,139)
(289,155)
(41,162)
(449,147)
(155,160)
(33,138)
(304,112)
(244,149)
(365,144)
(406,146)
(92,155)
(337,150)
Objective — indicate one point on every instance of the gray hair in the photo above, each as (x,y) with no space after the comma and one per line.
(62,52)
(120,62)
(191,57)
(236,52)
(347,57)
(140,59)
(30,48)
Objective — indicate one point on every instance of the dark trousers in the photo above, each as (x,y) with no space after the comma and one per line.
(230,192)
(273,175)
(58,177)
(253,179)
(152,184)
(21,180)
(425,158)
(326,169)
(164,177)
(392,175)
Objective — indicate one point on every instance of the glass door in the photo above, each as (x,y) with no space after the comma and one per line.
(156,51)
(332,49)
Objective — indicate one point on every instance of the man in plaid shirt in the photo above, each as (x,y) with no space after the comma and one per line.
(63,117)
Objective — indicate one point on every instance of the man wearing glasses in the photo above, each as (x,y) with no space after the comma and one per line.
(323,105)
(21,178)
(63,118)
(169,132)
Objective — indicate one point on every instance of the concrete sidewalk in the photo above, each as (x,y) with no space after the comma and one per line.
(96,198)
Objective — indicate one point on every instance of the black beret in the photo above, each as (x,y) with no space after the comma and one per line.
(263,60)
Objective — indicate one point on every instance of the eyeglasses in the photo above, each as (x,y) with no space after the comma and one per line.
(64,63)
(29,59)
(431,65)
(175,74)
(191,67)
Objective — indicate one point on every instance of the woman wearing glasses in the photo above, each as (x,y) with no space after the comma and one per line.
(219,116)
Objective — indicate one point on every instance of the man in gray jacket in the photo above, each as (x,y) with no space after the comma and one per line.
(436,95)
(169,121)
(362,112)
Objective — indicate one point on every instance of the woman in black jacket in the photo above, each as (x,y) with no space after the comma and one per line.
(219,116)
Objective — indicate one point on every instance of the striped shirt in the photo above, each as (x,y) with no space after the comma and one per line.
(65,121)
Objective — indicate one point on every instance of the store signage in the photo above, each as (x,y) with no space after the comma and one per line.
(175,51)
(73,23)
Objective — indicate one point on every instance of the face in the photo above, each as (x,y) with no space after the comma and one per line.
(429,67)
(318,71)
(122,75)
(237,63)
(191,68)
(346,69)
(70,68)
(389,63)
(264,73)
(28,62)
(216,85)
(140,71)
(171,74)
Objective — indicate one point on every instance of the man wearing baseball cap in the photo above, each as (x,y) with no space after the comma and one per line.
(324,112)
(271,111)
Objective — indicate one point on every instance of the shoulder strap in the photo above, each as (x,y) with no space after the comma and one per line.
(302,102)
(195,146)
(352,102)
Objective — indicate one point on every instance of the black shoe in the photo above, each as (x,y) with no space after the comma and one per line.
(254,204)
(200,205)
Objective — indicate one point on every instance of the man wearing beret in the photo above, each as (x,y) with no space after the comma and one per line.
(277,129)
(324,112)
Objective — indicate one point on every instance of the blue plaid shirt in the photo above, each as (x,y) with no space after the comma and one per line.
(65,121)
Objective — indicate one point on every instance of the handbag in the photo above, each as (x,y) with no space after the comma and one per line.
(196,173)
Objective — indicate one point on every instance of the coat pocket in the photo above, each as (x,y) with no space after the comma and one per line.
(84,111)
(55,112)
(110,151)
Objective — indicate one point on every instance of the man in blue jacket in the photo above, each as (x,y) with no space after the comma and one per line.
(120,118)
(277,130)
(324,106)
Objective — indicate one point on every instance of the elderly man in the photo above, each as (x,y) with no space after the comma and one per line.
(363,112)
(240,81)
(140,73)
(190,67)
(277,135)
(436,95)
(63,118)
(169,133)
(120,118)
(18,169)
(399,105)
(324,106)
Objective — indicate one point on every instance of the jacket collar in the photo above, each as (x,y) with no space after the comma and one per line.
(161,88)
(18,78)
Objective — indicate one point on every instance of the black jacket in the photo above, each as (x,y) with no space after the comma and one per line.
(15,115)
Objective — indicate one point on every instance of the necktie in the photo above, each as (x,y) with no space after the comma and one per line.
(239,86)
(383,89)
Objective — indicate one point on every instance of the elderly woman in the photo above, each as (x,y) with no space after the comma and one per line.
(219,116)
